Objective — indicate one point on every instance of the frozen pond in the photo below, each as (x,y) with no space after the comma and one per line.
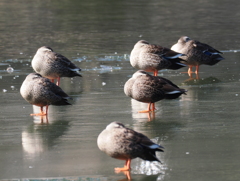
(200,130)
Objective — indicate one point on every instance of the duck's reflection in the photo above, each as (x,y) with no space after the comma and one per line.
(151,177)
(146,171)
(40,137)
(32,144)
(198,89)
(126,173)
(202,81)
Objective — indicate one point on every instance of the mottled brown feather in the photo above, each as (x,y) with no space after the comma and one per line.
(123,143)
(146,88)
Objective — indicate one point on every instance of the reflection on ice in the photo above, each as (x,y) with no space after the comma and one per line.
(32,144)
(138,106)
(151,168)
(201,81)
(38,138)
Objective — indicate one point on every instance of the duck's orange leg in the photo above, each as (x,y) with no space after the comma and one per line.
(190,70)
(153,107)
(47,109)
(155,73)
(197,69)
(148,110)
(42,113)
(126,167)
(58,81)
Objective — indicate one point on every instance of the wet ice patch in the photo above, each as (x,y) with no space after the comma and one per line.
(17,60)
(3,64)
(229,51)
(80,59)
(106,68)
(102,58)
(150,168)
(114,57)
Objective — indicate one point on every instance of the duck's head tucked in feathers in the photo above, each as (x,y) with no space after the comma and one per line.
(123,143)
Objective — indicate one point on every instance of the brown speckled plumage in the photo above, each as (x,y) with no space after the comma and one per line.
(151,58)
(40,91)
(123,143)
(146,88)
(53,65)
(197,53)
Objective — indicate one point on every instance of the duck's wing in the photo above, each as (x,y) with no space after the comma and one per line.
(147,89)
(143,146)
(166,82)
(141,139)
(53,93)
(163,57)
(61,60)
(64,65)
(152,55)
(164,52)
(205,48)
(170,89)
(65,61)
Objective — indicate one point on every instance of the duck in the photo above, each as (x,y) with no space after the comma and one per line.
(152,58)
(53,65)
(40,91)
(197,53)
(123,143)
(147,88)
